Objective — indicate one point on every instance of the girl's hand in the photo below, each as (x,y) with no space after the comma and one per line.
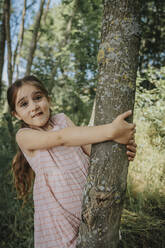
(131,150)
(123,132)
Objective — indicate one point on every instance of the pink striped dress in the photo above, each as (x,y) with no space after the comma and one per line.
(60,175)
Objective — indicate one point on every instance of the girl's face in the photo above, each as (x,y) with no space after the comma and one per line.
(32,106)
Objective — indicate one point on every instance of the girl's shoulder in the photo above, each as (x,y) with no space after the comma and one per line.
(22,129)
(59,119)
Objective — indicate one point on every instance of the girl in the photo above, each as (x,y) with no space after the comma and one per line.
(56,151)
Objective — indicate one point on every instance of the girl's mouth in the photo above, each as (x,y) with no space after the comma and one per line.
(38,114)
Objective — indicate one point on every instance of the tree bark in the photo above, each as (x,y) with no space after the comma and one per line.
(33,44)
(2,42)
(8,38)
(107,178)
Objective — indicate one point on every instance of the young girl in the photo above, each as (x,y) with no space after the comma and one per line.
(56,151)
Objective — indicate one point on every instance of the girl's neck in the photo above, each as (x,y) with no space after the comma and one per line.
(48,126)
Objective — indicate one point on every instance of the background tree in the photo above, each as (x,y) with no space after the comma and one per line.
(107,178)
(18,48)
(33,43)
(2,41)
(7,9)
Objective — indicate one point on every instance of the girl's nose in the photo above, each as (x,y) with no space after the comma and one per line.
(34,106)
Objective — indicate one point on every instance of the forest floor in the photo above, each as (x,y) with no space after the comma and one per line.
(145,227)
(143,219)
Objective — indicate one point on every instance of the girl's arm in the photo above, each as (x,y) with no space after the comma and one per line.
(86,148)
(131,149)
(119,130)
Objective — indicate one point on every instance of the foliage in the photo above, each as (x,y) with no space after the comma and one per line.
(16,222)
(153,33)
(150,99)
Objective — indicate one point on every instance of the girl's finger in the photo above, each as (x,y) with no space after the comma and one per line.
(131,148)
(133,136)
(131,154)
(126,114)
(133,126)
(131,142)
(130,159)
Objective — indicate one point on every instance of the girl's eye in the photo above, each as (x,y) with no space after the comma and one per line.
(38,97)
(23,104)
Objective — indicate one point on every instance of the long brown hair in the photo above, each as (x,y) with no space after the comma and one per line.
(22,172)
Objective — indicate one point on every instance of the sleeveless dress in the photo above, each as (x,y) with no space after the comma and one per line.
(60,175)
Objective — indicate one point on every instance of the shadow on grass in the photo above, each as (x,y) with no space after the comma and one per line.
(143,222)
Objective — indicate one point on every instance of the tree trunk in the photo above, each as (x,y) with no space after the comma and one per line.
(8,38)
(6,114)
(33,44)
(17,52)
(46,10)
(2,42)
(107,178)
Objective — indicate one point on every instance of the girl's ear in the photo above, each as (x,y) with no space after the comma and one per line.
(16,115)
